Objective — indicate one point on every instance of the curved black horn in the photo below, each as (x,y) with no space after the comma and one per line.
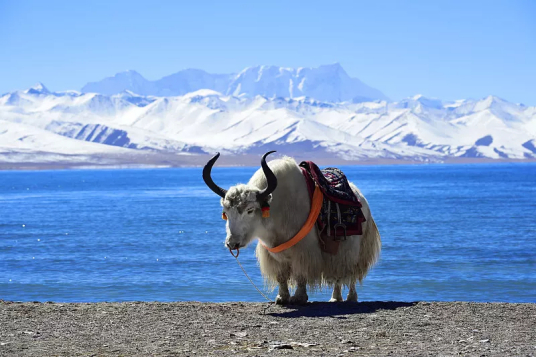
(208,180)
(270,177)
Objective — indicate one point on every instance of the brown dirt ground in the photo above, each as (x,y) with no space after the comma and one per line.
(256,329)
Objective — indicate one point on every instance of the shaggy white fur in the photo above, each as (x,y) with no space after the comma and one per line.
(304,264)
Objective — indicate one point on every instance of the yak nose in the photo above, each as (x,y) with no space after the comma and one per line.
(233,246)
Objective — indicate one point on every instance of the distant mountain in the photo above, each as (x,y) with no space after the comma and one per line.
(123,81)
(40,125)
(328,83)
(39,88)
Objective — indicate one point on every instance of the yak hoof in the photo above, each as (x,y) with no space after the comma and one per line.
(299,300)
(281,300)
(335,299)
(351,298)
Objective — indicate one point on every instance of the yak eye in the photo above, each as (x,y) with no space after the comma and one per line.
(251,210)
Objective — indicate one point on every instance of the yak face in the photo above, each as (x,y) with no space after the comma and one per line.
(244,216)
(242,205)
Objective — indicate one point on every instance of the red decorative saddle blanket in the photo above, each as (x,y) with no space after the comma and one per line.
(341,213)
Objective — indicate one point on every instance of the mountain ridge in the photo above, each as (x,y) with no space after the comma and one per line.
(329,83)
(77,126)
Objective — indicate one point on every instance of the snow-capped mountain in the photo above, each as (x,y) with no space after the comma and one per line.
(328,83)
(40,125)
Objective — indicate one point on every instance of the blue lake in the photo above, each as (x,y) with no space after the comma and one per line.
(449,232)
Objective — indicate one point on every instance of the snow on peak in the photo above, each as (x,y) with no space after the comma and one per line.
(421,102)
(129,93)
(328,83)
(492,100)
(38,88)
(203,93)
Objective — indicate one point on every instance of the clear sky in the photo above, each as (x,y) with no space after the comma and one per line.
(445,49)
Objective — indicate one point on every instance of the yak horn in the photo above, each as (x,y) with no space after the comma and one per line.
(270,178)
(208,180)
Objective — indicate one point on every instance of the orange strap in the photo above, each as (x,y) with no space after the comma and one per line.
(316,205)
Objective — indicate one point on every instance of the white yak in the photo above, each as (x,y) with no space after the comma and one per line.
(282,185)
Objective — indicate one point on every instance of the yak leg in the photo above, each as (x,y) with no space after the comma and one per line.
(352,294)
(300,296)
(283,296)
(336,296)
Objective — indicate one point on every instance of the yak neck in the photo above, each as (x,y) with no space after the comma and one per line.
(316,206)
(289,210)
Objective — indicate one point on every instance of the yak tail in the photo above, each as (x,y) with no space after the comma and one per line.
(369,249)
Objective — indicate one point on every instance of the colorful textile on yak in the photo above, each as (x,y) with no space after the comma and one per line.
(341,207)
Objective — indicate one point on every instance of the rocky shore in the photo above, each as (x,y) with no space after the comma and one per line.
(257,329)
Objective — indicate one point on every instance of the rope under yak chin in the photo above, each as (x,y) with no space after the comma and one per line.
(271,302)
(247,276)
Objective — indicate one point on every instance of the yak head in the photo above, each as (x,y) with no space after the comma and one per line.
(242,205)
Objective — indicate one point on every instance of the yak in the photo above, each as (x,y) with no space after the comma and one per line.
(282,186)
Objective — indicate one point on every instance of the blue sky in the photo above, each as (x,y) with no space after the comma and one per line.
(444,49)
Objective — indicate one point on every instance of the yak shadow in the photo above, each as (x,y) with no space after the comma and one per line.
(337,310)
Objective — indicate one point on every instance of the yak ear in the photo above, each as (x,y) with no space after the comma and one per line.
(266,200)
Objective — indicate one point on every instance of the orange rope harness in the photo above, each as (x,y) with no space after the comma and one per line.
(316,205)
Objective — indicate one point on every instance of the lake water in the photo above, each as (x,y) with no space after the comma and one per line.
(449,232)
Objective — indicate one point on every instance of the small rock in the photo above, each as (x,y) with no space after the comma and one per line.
(484,341)
(280,346)
(253,348)
(303,344)
(239,334)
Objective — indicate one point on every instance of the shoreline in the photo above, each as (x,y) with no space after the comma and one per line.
(197,161)
(238,328)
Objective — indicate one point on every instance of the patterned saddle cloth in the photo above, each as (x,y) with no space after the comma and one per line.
(341,215)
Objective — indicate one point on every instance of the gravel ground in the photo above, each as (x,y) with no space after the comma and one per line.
(256,329)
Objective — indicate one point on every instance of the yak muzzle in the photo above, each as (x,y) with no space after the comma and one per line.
(232,243)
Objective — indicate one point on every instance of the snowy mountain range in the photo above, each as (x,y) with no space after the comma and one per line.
(329,83)
(40,126)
